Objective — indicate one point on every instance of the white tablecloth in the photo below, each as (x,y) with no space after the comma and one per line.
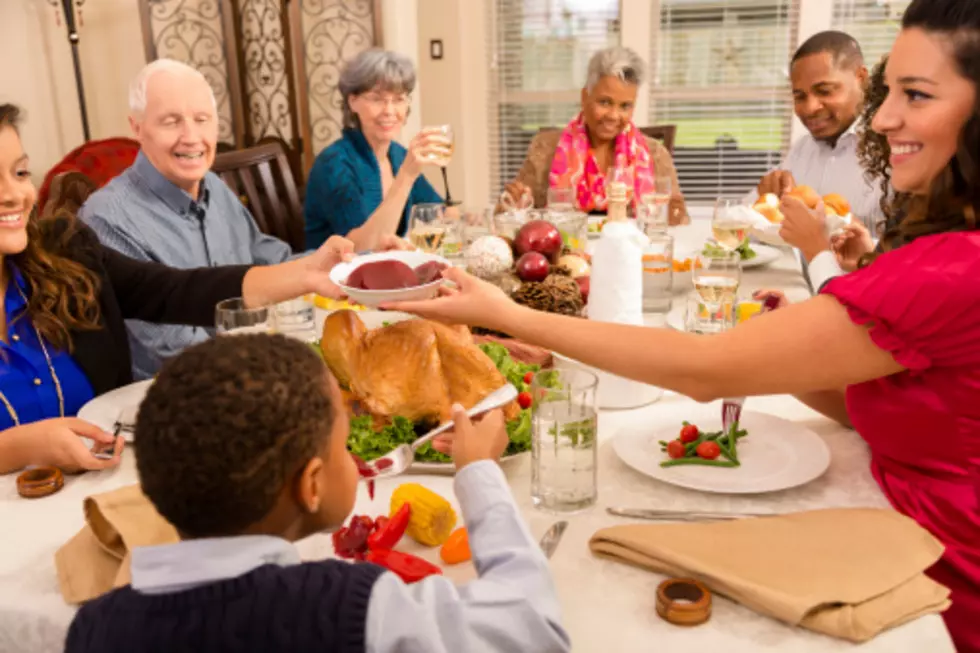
(606,606)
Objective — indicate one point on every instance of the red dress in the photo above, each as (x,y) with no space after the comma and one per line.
(922,303)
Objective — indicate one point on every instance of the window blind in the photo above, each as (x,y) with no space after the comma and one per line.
(539,53)
(874,23)
(722,77)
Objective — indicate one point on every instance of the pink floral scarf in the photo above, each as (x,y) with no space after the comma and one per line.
(574,165)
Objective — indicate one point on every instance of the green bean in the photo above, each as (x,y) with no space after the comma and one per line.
(698,461)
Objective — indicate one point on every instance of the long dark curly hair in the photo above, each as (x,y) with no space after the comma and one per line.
(954,197)
(872,149)
(63,293)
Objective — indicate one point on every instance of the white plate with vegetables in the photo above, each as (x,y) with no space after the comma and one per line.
(772,453)
(369,443)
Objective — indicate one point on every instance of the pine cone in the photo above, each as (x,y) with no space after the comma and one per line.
(558,293)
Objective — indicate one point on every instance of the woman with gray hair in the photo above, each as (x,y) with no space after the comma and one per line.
(363,186)
(601,137)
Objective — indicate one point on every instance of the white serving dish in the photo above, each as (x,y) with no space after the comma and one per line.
(374,298)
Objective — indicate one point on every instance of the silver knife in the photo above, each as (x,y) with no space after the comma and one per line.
(683,515)
(550,540)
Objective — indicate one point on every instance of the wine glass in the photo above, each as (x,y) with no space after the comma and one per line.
(730,223)
(444,136)
(652,209)
(621,175)
(232,317)
(561,200)
(430,227)
(716,280)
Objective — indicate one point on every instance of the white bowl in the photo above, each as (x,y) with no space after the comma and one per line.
(412,259)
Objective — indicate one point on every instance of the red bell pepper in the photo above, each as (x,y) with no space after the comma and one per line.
(387,534)
(408,567)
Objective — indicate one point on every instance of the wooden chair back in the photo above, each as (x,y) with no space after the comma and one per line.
(263,179)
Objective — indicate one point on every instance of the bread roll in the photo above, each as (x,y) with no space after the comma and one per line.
(768,206)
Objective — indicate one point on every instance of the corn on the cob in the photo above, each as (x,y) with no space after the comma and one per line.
(432,520)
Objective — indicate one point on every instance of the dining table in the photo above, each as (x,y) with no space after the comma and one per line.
(606,606)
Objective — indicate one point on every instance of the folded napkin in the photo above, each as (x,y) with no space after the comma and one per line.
(97,559)
(848,573)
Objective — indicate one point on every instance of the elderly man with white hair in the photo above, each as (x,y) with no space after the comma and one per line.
(167,207)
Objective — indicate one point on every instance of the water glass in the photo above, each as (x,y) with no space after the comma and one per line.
(651,212)
(232,317)
(658,273)
(296,319)
(701,319)
(561,200)
(563,441)
(476,223)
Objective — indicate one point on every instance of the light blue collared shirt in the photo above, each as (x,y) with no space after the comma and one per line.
(511,607)
(144,215)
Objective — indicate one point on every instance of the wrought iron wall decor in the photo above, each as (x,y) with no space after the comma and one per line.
(273,64)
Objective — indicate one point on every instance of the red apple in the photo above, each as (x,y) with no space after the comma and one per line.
(539,236)
(583,286)
(533,266)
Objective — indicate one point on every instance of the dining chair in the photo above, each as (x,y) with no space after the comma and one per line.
(666,134)
(263,179)
(67,192)
(100,161)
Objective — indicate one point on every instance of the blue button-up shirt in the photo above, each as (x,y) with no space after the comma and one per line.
(25,379)
(512,606)
(145,216)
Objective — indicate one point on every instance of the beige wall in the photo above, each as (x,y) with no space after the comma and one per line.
(453,91)
(37,73)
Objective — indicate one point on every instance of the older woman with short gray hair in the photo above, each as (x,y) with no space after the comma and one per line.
(363,186)
(600,137)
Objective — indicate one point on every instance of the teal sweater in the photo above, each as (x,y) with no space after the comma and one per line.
(344,188)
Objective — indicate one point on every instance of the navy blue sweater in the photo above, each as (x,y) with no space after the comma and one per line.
(344,188)
(316,607)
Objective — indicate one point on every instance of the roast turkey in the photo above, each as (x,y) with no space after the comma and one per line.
(415,369)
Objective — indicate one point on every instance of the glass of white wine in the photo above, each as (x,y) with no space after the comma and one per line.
(729,224)
(445,141)
(652,209)
(429,227)
(716,279)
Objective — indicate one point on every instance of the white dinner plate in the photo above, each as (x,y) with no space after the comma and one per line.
(776,455)
(119,404)
(764,255)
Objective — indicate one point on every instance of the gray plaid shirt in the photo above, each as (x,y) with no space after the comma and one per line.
(143,215)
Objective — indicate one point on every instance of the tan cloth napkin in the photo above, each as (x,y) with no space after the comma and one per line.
(97,558)
(849,573)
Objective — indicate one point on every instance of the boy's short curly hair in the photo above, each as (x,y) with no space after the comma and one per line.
(226,425)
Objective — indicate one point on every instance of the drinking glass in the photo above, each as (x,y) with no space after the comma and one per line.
(652,208)
(446,139)
(699,318)
(729,223)
(622,175)
(428,227)
(561,200)
(476,223)
(296,319)
(563,440)
(658,273)
(716,278)
(232,317)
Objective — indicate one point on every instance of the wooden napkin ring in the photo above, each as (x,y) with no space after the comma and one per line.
(683,601)
(40,482)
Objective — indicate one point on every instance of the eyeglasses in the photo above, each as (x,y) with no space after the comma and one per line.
(377,101)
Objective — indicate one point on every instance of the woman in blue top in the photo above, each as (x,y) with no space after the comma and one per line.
(364,185)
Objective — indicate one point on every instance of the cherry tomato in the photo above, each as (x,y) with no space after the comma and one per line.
(524,400)
(528,377)
(689,433)
(708,450)
(676,449)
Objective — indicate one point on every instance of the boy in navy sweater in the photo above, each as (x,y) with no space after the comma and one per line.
(242,447)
